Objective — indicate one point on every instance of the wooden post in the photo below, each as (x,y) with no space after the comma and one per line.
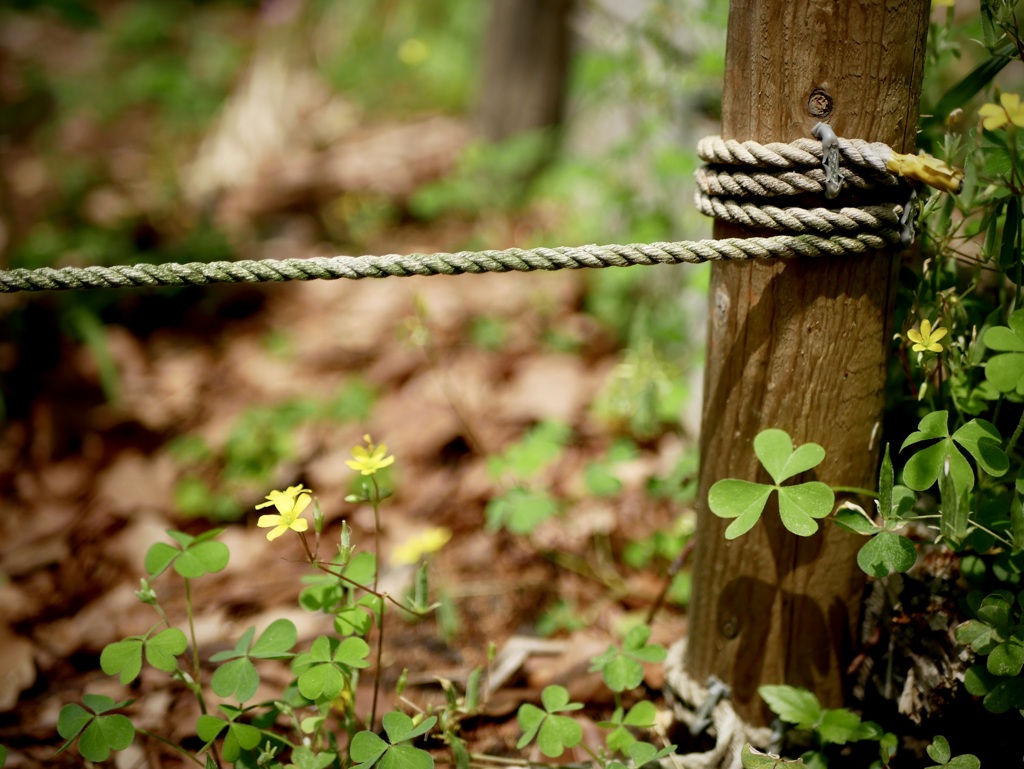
(799,345)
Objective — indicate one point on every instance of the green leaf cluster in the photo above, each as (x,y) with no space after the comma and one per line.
(799,504)
(239,736)
(623,669)
(369,750)
(327,667)
(524,504)
(192,556)
(997,633)
(98,731)
(238,676)
(554,732)
(124,658)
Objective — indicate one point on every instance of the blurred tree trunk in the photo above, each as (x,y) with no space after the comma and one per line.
(799,345)
(525,67)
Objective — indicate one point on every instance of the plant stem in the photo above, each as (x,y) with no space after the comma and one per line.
(165,741)
(377,671)
(376,530)
(1016,434)
(197,676)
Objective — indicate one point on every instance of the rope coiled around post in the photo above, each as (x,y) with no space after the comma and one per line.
(734,187)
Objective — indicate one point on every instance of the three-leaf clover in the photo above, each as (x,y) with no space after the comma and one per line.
(623,669)
(886,552)
(940,753)
(98,734)
(1006,371)
(369,750)
(640,716)
(979,438)
(323,670)
(239,737)
(124,658)
(239,677)
(799,504)
(641,754)
(193,557)
(554,733)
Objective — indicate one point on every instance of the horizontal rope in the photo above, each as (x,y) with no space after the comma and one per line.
(734,188)
(395,265)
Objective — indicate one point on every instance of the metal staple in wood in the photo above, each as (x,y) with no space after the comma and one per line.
(732,189)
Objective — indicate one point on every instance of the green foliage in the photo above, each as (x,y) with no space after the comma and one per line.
(622,669)
(996,633)
(828,726)
(640,716)
(553,732)
(524,505)
(369,750)
(799,504)
(943,757)
(238,736)
(124,658)
(193,557)
(238,675)
(97,730)
(979,438)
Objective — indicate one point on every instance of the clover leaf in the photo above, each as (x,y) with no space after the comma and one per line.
(554,733)
(367,749)
(978,437)
(622,669)
(940,753)
(1006,371)
(124,658)
(193,557)
(239,676)
(239,736)
(325,668)
(799,504)
(98,734)
(640,716)
(886,553)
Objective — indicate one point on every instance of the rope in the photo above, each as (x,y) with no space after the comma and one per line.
(733,188)
(730,731)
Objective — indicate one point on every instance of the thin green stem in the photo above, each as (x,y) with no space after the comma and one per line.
(165,741)
(375,501)
(483,758)
(197,687)
(377,671)
(856,490)
(1016,434)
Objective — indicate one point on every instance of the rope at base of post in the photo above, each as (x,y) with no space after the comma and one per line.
(731,732)
(735,186)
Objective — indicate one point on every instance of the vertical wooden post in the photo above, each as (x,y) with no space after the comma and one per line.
(799,345)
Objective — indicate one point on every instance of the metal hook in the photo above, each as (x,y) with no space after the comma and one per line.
(907,219)
(829,158)
(717,690)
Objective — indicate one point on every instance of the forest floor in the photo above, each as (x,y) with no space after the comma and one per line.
(299,373)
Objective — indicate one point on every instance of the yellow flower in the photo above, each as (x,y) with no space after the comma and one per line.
(369,459)
(1009,110)
(428,541)
(289,503)
(943,3)
(927,338)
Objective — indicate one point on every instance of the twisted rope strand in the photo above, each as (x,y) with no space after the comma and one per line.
(726,192)
(395,265)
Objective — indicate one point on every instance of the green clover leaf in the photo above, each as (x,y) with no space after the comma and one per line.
(124,658)
(981,440)
(98,734)
(640,716)
(792,704)
(940,753)
(1006,371)
(799,505)
(554,732)
(193,557)
(239,676)
(325,668)
(239,736)
(623,669)
(886,553)
(367,749)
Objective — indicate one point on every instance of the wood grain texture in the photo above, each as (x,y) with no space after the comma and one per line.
(799,345)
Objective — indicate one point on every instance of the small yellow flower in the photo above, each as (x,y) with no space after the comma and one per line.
(927,338)
(413,52)
(370,458)
(1009,110)
(428,541)
(289,503)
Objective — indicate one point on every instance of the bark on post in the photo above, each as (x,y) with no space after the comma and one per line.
(799,345)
